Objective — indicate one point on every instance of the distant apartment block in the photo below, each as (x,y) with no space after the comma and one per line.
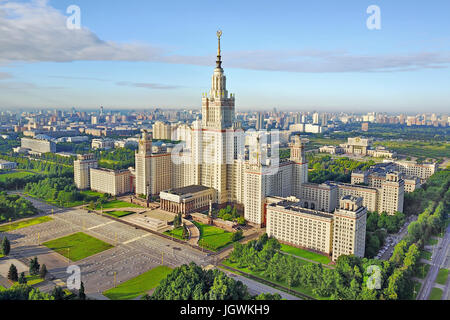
(113,182)
(81,169)
(38,145)
(102,144)
(7,165)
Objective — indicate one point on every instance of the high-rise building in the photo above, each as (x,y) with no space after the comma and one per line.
(81,169)
(259,121)
(316,118)
(143,165)
(349,228)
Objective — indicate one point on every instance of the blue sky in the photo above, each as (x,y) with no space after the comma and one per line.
(292,55)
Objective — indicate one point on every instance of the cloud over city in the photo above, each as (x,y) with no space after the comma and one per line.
(36,32)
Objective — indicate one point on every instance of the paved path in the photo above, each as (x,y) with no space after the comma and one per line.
(438,259)
(256,287)
(193,231)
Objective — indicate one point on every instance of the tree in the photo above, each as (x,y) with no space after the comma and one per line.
(268,296)
(185,234)
(238,235)
(35,294)
(22,278)
(241,221)
(34,266)
(12,273)
(58,293)
(43,271)
(6,246)
(81,294)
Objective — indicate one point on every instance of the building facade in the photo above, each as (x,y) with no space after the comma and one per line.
(113,182)
(81,170)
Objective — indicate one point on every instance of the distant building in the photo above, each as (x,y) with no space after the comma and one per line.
(7,165)
(38,145)
(331,149)
(81,170)
(162,131)
(102,144)
(365,126)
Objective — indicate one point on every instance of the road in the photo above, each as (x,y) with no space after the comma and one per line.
(255,287)
(397,238)
(439,259)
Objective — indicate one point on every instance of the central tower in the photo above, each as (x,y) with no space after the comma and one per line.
(218,107)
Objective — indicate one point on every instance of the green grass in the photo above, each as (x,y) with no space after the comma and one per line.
(432,242)
(176,233)
(135,287)
(422,270)
(119,214)
(436,294)
(77,246)
(213,238)
(425,255)
(442,276)
(259,274)
(23,223)
(305,254)
(32,280)
(427,149)
(15,174)
(117,204)
(91,193)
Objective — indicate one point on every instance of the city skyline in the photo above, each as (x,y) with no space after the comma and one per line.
(155,57)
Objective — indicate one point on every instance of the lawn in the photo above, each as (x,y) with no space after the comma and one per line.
(176,233)
(119,214)
(117,204)
(442,276)
(422,270)
(432,242)
(436,294)
(15,174)
(91,193)
(23,223)
(135,287)
(425,255)
(77,246)
(31,280)
(306,291)
(213,238)
(305,254)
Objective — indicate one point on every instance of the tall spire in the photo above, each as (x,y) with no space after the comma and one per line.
(219,58)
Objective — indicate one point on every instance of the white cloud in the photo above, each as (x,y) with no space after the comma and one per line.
(153,86)
(36,32)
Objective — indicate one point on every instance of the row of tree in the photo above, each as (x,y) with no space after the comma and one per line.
(61,190)
(14,207)
(353,278)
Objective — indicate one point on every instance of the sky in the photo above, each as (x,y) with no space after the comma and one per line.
(290,55)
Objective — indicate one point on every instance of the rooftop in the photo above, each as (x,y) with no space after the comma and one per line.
(187,190)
